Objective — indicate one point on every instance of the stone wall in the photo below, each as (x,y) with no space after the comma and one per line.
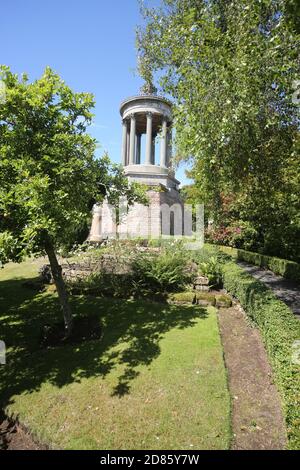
(76,271)
(107,262)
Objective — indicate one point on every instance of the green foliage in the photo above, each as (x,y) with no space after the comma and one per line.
(104,285)
(195,296)
(205,298)
(238,234)
(207,252)
(250,257)
(183,297)
(212,270)
(10,249)
(162,242)
(283,240)
(142,274)
(231,68)
(283,267)
(141,347)
(163,272)
(223,300)
(228,250)
(210,260)
(49,175)
(279,329)
(272,233)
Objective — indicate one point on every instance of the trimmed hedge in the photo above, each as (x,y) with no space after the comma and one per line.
(283,267)
(279,329)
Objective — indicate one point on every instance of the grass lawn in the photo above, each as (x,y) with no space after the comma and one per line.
(156,379)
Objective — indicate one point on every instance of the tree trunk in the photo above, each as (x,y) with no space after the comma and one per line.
(60,287)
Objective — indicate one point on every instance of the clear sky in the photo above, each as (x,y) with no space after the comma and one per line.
(90,43)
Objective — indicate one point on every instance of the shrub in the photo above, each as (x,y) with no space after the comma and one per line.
(104,284)
(210,260)
(213,271)
(228,250)
(210,251)
(239,234)
(169,271)
(250,257)
(283,241)
(147,275)
(283,267)
(218,235)
(243,235)
(279,329)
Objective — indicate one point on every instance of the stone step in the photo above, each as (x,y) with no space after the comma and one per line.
(201,281)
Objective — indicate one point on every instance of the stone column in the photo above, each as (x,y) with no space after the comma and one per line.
(153,149)
(124,142)
(149,139)
(163,143)
(128,144)
(138,148)
(169,146)
(132,140)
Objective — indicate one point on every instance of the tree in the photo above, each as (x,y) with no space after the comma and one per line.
(49,176)
(231,67)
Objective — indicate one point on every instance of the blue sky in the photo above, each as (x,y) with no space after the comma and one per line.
(90,43)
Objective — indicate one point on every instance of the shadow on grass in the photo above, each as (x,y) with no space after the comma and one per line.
(131,335)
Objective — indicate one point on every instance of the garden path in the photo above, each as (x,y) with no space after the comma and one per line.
(286,290)
(257,420)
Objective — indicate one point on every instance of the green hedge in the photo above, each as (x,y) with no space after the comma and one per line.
(283,267)
(279,329)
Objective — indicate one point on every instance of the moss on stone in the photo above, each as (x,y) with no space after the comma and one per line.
(204,298)
(223,300)
(182,297)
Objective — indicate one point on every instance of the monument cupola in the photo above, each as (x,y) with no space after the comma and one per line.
(148,117)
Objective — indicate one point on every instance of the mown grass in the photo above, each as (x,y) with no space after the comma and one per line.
(155,380)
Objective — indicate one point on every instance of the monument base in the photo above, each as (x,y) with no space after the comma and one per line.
(164,216)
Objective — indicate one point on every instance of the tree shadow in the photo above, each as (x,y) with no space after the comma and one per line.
(132,331)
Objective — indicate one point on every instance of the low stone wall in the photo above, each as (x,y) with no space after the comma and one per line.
(76,271)
(70,272)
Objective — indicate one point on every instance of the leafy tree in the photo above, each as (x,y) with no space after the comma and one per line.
(231,67)
(49,176)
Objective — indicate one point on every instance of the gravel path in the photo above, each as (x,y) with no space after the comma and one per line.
(286,290)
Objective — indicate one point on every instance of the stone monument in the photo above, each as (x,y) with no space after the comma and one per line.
(145,119)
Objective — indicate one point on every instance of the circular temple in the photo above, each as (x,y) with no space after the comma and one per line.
(149,116)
